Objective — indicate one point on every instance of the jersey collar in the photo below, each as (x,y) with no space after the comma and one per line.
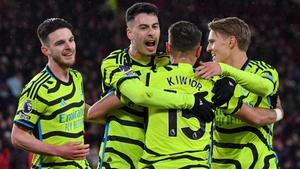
(136,62)
(245,64)
(48,70)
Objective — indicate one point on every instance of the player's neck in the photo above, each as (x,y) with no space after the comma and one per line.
(59,72)
(138,56)
(238,60)
(179,57)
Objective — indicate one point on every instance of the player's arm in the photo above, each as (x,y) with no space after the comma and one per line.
(23,139)
(138,93)
(100,120)
(99,109)
(259,85)
(252,115)
(259,116)
(131,87)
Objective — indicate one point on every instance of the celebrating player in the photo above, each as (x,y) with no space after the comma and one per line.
(237,143)
(50,114)
(123,142)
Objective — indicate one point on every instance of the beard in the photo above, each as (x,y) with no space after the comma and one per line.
(62,63)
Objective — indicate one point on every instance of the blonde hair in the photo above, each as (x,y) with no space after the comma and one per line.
(233,26)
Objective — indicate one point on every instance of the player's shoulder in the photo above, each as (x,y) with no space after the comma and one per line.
(166,68)
(35,85)
(162,55)
(116,52)
(162,59)
(75,74)
(35,78)
(263,69)
(260,64)
(116,57)
(175,69)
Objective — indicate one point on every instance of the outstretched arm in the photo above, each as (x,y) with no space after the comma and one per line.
(99,109)
(100,120)
(250,81)
(23,139)
(138,93)
(124,79)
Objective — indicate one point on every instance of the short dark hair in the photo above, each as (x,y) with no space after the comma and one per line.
(140,7)
(184,36)
(50,25)
(233,26)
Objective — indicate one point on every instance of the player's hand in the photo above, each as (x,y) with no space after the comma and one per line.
(73,151)
(224,90)
(202,108)
(208,69)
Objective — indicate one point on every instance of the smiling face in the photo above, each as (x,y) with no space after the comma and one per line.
(144,33)
(60,48)
(219,47)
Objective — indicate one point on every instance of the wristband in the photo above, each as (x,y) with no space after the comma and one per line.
(279,114)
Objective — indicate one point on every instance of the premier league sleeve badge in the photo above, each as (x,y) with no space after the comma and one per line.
(27,107)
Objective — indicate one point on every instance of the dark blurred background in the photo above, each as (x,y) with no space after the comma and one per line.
(100,28)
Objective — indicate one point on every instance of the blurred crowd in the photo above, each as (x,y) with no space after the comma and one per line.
(100,28)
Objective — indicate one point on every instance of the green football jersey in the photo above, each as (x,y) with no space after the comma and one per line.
(177,138)
(238,144)
(123,142)
(53,110)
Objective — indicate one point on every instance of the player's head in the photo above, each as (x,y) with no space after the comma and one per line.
(184,37)
(143,28)
(57,39)
(227,34)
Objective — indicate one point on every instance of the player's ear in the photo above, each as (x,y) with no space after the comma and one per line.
(129,33)
(198,51)
(45,50)
(168,48)
(232,42)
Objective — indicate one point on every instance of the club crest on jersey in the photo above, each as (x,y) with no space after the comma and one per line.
(27,107)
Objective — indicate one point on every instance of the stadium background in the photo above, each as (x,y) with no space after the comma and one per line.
(100,28)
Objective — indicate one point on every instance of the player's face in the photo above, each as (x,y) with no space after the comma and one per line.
(61,47)
(218,46)
(144,32)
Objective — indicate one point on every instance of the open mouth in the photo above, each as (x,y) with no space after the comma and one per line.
(150,43)
(213,56)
